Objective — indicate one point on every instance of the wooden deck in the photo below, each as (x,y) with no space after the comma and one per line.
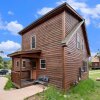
(26,82)
(18,82)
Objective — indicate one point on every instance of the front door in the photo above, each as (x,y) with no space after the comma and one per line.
(34,68)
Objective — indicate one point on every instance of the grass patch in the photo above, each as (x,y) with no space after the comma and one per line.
(53,94)
(84,87)
(9,83)
(86,90)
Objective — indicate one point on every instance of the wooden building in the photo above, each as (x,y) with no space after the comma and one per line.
(56,45)
(95,63)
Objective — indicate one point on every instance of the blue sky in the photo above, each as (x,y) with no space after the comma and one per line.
(17,14)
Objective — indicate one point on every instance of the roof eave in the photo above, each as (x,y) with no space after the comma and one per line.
(47,16)
(54,12)
(23,52)
(89,53)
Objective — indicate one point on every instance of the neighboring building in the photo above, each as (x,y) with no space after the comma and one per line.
(95,63)
(55,45)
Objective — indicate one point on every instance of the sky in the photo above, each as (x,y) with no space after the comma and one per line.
(17,14)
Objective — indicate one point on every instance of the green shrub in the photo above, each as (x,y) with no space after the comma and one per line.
(9,84)
(86,90)
(53,93)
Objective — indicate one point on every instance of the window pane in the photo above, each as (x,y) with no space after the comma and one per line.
(24,64)
(77,41)
(42,65)
(33,42)
(42,61)
(17,63)
(85,66)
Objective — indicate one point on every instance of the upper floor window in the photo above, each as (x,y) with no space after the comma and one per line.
(82,44)
(33,42)
(78,41)
(42,64)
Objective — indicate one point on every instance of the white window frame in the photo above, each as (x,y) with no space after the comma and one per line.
(40,64)
(16,63)
(31,41)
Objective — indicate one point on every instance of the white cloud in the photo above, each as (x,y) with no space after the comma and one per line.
(44,10)
(3,55)
(93,53)
(9,46)
(93,12)
(89,13)
(10,13)
(73,3)
(87,20)
(14,27)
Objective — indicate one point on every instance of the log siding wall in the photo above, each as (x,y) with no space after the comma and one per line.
(74,57)
(17,68)
(48,39)
(62,63)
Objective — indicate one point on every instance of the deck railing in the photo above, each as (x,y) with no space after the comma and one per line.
(15,77)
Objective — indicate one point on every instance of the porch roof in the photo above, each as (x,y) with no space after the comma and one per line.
(18,53)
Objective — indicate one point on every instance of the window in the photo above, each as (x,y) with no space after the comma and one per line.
(78,41)
(23,64)
(42,64)
(17,63)
(85,66)
(33,42)
(82,44)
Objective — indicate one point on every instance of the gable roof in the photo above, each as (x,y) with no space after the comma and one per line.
(54,12)
(51,14)
(73,31)
(24,52)
(70,35)
(94,59)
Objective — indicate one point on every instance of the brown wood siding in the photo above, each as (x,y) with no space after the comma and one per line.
(73,57)
(17,68)
(25,75)
(48,39)
(15,77)
(62,63)
(70,22)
